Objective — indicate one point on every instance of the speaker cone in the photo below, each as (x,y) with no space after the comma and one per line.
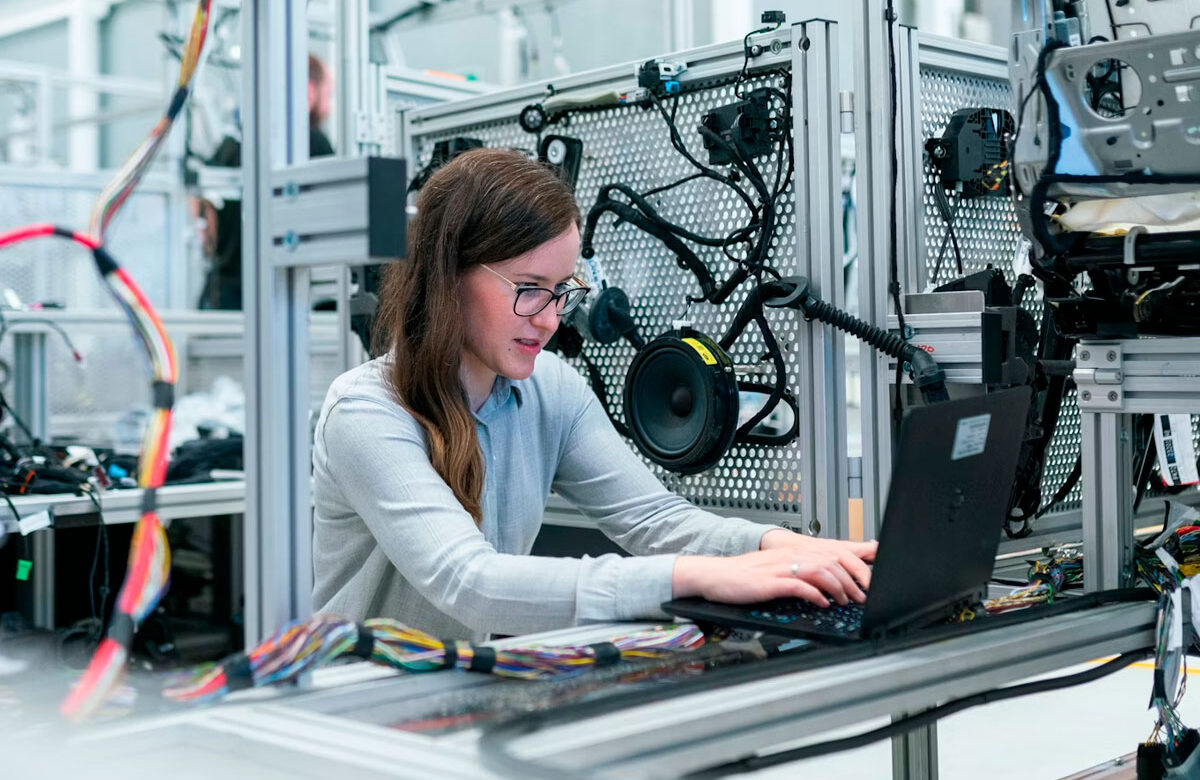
(681,401)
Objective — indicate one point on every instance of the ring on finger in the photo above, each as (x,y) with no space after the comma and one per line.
(795,569)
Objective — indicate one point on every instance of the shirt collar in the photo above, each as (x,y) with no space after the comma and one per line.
(502,389)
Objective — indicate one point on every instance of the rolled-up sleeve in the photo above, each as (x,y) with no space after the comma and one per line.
(604,479)
(378,460)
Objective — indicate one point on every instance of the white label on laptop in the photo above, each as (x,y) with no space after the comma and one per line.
(971,436)
(1176,455)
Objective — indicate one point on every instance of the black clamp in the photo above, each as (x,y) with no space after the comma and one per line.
(606,653)
(364,646)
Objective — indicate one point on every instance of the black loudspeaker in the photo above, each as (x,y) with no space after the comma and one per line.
(681,401)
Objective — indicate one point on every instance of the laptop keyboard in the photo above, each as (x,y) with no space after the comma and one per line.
(835,618)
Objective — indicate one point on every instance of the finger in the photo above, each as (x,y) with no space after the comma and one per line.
(853,592)
(827,581)
(866,550)
(858,569)
(799,589)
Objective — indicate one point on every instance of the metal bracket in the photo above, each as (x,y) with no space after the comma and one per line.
(330,211)
(846,111)
(1099,376)
(365,131)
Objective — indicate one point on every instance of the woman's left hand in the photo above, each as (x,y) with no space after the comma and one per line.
(853,556)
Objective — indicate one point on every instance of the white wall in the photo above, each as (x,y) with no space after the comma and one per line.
(129,47)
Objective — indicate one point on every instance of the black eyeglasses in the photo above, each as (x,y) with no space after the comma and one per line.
(531,300)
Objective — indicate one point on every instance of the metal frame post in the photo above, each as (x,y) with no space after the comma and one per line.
(29,401)
(1115,380)
(278,527)
(911,227)
(1107,451)
(915,753)
(874,138)
(824,481)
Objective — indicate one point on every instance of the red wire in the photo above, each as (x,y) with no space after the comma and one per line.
(36,231)
(131,591)
(159,474)
(91,676)
(25,233)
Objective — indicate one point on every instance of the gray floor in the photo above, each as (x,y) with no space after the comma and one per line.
(1042,737)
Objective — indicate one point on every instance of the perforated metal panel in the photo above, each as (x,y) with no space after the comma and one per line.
(55,270)
(987,232)
(986,227)
(84,400)
(632,146)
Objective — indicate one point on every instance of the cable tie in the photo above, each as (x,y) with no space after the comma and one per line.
(177,101)
(606,653)
(121,629)
(164,394)
(449,653)
(364,647)
(105,263)
(483,659)
(239,675)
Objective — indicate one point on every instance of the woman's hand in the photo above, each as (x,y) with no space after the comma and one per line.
(853,556)
(789,571)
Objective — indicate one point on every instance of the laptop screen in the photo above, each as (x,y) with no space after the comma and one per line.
(951,481)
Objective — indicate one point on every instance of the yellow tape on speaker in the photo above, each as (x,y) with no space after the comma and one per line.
(705,354)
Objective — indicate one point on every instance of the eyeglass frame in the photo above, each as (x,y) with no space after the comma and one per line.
(554,296)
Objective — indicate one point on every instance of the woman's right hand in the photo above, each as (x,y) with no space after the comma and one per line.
(766,575)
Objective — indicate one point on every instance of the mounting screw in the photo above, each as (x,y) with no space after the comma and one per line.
(1112,395)
(291,190)
(1085,355)
(909,332)
(1086,395)
(291,240)
(1112,355)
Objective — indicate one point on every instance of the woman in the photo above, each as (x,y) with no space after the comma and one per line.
(432,463)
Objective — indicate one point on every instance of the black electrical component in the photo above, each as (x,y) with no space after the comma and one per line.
(443,152)
(973,151)
(607,319)
(532,118)
(1150,761)
(745,125)
(661,78)
(1009,334)
(681,401)
(564,154)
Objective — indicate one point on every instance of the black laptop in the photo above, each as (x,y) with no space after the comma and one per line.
(951,480)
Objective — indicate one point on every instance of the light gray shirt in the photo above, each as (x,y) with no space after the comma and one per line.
(391,540)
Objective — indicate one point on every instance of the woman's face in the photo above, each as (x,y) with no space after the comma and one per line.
(498,341)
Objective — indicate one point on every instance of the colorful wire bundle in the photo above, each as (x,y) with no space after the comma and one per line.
(304,645)
(117,191)
(1046,580)
(1181,549)
(149,556)
(1164,700)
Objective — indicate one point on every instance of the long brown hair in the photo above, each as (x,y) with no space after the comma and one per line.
(485,206)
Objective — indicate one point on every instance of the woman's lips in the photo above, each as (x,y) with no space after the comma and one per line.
(529,346)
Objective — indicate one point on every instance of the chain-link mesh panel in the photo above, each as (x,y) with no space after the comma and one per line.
(631,145)
(987,232)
